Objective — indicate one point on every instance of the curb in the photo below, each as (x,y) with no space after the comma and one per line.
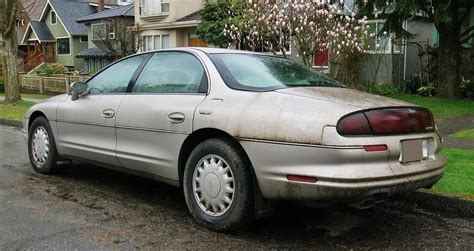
(10,122)
(440,201)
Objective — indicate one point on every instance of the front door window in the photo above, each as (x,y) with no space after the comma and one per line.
(115,79)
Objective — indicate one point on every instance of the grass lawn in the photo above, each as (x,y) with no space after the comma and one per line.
(465,134)
(14,112)
(442,108)
(459,175)
(35,96)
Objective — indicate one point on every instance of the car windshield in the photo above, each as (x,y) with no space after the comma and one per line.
(254,72)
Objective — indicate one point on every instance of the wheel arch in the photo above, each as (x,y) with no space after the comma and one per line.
(199,136)
(34,116)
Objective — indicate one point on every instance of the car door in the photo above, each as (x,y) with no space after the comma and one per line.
(155,118)
(86,126)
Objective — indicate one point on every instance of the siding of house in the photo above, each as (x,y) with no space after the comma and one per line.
(382,68)
(423,30)
(32,36)
(57,29)
(162,24)
(76,47)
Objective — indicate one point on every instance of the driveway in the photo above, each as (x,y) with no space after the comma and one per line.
(87,207)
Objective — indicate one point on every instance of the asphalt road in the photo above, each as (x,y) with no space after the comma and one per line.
(87,207)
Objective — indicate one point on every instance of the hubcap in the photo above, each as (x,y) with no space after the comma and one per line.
(213,185)
(40,145)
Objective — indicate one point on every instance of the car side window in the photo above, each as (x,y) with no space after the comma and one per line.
(115,79)
(171,72)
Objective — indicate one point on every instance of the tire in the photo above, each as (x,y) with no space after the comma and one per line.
(240,211)
(44,164)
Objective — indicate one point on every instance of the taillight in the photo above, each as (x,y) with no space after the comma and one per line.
(389,121)
(356,124)
(386,121)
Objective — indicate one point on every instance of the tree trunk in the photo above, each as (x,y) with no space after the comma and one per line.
(9,49)
(449,55)
(10,70)
(448,71)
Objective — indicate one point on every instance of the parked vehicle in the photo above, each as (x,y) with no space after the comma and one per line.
(236,130)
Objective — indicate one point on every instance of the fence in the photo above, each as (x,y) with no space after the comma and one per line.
(48,84)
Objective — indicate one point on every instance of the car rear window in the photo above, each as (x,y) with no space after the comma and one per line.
(254,72)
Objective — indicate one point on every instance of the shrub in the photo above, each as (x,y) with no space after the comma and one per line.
(384,89)
(50,69)
(413,83)
(467,88)
(427,91)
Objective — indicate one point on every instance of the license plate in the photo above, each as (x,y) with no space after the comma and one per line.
(412,150)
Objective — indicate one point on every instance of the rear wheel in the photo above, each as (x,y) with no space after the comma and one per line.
(218,185)
(41,147)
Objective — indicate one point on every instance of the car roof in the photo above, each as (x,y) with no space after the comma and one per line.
(208,50)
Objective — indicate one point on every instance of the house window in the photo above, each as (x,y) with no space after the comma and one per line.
(53,17)
(111,31)
(381,43)
(150,7)
(83,39)
(155,42)
(63,46)
(98,32)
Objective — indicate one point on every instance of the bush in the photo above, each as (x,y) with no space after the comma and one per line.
(467,88)
(50,69)
(384,89)
(413,83)
(427,91)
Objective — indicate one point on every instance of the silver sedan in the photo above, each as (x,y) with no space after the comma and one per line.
(237,131)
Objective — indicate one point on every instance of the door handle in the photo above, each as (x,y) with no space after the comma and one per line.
(108,113)
(176,117)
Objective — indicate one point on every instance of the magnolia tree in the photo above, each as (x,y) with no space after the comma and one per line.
(310,26)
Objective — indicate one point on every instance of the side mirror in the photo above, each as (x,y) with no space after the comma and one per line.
(77,88)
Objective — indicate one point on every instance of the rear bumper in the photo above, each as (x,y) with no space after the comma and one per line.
(345,174)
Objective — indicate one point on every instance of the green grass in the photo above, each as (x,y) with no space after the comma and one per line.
(465,134)
(442,108)
(35,96)
(15,111)
(459,175)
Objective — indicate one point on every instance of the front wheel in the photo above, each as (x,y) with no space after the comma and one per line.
(218,185)
(41,147)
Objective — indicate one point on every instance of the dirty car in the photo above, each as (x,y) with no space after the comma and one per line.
(236,131)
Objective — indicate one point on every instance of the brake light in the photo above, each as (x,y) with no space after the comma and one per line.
(386,121)
(389,121)
(356,124)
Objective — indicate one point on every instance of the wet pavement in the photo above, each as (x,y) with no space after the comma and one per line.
(452,126)
(86,207)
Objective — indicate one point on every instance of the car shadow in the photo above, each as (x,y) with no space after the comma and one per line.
(291,225)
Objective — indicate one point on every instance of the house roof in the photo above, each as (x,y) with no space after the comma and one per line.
(32,9)
(69,11)
(121,11)
(191,17)
(94,53)
(41,30)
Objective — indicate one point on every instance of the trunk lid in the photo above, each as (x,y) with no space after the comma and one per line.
(344,96)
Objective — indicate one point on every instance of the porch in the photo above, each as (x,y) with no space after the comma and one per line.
(34,53)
